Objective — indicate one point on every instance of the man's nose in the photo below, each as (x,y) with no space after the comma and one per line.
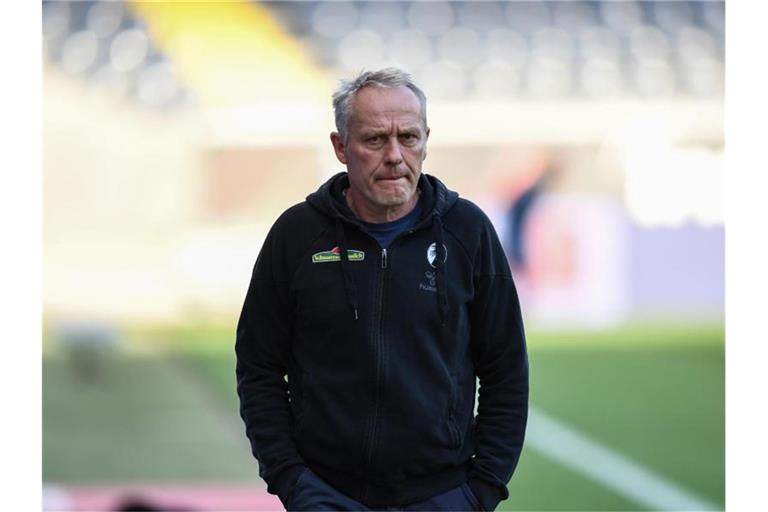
(392,153)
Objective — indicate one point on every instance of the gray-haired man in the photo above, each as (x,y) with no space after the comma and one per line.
(383,297)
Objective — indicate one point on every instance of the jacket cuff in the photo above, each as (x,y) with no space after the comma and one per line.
(488,495)
(283,485)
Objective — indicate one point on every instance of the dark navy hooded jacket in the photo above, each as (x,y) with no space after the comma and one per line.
(381,349)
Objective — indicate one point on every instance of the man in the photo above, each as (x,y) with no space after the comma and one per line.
(382,297)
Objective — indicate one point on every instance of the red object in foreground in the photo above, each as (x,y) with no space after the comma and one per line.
(151,496)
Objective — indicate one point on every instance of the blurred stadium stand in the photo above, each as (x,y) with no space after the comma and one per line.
(522,49)
(107,45)
(458,50)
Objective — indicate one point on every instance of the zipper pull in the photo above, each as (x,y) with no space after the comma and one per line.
(383,258)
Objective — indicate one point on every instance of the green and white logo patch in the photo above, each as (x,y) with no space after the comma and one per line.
(335,255)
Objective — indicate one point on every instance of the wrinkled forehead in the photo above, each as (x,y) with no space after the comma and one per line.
(376,104)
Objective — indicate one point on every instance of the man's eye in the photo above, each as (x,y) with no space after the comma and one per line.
(408,136)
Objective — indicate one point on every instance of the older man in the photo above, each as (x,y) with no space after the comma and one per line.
(382,298)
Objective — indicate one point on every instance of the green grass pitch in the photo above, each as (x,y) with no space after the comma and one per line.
(652,393)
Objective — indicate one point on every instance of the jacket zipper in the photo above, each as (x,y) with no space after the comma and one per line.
(379,337)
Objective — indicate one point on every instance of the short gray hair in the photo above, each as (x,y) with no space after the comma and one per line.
(387,77)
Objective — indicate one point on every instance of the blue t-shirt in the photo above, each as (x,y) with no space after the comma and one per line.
(385,232)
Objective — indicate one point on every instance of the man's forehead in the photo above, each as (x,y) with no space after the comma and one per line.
(376,99)
(375,105)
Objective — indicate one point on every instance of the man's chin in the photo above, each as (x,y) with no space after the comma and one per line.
(394,196)
(394,200)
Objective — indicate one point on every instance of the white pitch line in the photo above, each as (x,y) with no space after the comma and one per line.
(574,450)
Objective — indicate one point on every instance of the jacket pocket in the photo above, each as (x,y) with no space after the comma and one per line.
(296,488)
(473,501)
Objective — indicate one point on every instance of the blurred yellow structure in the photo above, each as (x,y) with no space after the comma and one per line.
(233,53)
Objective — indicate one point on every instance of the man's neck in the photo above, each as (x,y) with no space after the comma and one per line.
(379,215)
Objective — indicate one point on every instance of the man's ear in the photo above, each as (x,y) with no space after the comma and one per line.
(425,144)
(339,147)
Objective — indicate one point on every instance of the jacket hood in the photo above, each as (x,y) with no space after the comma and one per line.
(329,200)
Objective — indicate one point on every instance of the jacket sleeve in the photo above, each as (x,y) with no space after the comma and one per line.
(262,348)
(501,362)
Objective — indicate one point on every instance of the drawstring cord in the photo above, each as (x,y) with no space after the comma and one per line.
(349,283)
(440,256)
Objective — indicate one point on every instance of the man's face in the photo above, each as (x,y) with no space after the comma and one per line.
(384,151)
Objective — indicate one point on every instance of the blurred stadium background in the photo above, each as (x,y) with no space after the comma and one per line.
(591,132)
